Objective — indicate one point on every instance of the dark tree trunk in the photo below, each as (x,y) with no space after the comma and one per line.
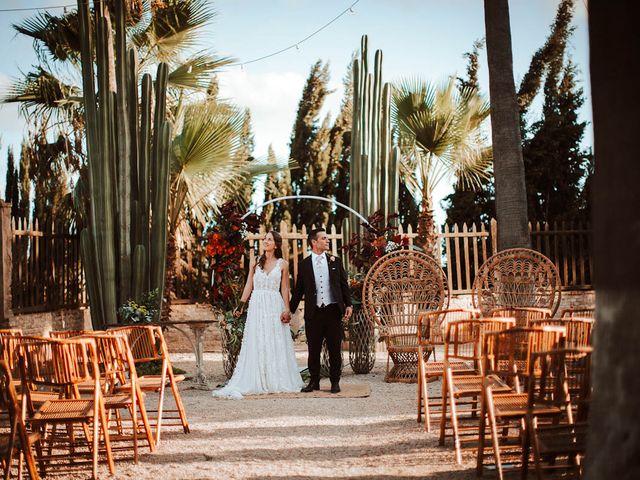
(511,194)
(614,437)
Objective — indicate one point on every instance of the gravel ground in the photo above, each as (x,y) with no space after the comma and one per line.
(357,438)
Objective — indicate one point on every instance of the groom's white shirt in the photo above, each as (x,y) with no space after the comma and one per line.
(321,274)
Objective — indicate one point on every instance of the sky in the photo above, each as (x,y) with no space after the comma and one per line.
(423,38)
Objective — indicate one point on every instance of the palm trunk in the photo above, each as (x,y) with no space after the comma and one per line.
(511,193)
(614,442)
(427,235)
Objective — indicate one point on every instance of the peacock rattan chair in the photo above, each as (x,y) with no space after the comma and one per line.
(516,277)
(397,289)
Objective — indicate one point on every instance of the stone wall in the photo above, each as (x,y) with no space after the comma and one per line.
(569,299)
(40,324)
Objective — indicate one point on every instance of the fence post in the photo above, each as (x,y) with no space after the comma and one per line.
(6,241)
(494,236)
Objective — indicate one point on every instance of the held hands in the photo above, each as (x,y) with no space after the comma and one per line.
(239,310)
(285,317)
(348,312)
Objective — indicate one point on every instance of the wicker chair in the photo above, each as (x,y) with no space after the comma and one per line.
(581,312)
(516,277)
(397,289)
(523,315)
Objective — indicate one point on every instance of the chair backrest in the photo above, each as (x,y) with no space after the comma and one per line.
(9,352)
(507,353)
(462,341)
(561,377)
(581,312)
(145,341)
(578,330)
(59,364)
(516,277)
(523,315)
(398,287)
(62,334)
(10,332)
(432,326)
(8,396)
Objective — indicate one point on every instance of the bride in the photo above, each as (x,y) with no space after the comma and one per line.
(267,361)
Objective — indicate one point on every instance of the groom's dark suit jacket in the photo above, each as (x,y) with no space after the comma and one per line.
(306,286)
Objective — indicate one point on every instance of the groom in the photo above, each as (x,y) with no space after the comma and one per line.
(322,281)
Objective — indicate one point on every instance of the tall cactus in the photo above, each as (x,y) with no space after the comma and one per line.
(124,245)
(374,163)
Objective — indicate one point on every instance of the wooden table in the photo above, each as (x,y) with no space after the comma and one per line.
(198,328)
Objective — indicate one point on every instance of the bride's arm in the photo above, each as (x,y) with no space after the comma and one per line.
(248,287)
(284,288)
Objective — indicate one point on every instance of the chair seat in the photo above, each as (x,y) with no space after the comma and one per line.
(515,405)
(117,400)
(562,439)
(472,384)
(55,410)
(151,382)
(436,368)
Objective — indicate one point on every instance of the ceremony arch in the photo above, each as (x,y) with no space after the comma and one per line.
(309,197)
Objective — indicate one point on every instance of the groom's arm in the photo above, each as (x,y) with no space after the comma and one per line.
(344,286)
(298,293)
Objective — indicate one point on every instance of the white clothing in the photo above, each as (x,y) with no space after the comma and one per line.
(321,274)
(267,360)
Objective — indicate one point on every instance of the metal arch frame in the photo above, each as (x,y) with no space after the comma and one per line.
(309,197)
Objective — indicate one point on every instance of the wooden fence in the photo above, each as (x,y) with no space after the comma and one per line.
(46,270)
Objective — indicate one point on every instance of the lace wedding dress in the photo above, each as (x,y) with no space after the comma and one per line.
(267,361)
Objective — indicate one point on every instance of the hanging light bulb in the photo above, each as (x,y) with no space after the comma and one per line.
(351,10)
(298,46)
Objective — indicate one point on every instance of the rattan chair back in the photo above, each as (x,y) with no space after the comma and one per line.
(516,277)
(397,288)
(432,326)
(578,330)
(62,334)
(580,312)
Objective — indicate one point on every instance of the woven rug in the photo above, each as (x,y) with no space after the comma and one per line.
(347,390)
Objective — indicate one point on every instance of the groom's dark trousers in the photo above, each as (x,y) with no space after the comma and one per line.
(323,323)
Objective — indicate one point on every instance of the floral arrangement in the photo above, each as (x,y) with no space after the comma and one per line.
(378,238)
(144,311)
(224,249)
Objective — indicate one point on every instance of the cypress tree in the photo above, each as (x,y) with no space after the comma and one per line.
(309,143)
(245,153)
(12,190)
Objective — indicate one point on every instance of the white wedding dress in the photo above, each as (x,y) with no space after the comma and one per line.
(267,360)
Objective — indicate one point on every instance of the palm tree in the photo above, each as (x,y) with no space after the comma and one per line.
(511,194)
(439,130)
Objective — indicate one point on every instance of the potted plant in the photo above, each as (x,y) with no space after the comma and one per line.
(224,250)
(378,238)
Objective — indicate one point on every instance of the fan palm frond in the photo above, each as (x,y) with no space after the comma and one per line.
(204,154)
(58,35)
(42,95)
(173,28)
(195,73)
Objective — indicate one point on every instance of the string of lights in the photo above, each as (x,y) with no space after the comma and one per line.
(30,9)
(296,45)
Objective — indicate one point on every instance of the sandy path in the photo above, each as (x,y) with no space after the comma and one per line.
(360,438)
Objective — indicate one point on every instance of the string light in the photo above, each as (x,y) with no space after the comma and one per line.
(297,45)
(28,9)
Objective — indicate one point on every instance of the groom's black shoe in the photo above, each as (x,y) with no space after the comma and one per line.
(335,387)
(311,387)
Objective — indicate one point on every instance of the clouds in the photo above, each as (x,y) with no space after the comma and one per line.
(273,100)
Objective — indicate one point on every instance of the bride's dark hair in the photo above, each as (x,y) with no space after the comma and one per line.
(277,239)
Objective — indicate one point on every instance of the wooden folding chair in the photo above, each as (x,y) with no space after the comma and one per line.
(579,330)
(17,439)
(117,370)
(580,312)
(507,356)
(431,327)
(523,315)
(147,344)
(461,390)
(563,380)
(63,334)
(64,365)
